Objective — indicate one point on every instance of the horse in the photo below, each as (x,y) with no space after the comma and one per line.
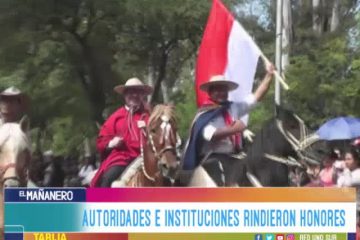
(15,155)
(282,148)
(267,161)
(159,160)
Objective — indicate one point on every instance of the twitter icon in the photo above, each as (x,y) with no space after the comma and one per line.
(269,237)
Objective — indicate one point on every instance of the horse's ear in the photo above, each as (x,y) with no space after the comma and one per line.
(25,124)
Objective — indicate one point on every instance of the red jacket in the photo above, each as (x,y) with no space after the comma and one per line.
(123,124)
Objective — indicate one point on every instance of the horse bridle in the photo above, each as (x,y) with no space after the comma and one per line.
(297,145)
(166,127)
(5,168)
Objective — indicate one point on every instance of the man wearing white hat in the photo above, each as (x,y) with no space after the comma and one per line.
(119,138)
(216,129)
(12,105)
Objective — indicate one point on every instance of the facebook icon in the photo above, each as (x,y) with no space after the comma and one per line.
(258,237)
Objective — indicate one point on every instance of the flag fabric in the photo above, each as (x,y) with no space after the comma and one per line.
(226,49)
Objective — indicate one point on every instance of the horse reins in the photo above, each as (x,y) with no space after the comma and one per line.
(143,134)
(297,145)
(4,169)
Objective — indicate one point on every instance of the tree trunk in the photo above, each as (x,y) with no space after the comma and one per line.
(317,19)
(95,85)
(165,92)
(87,147)
(301,3)
(287,34)
(151,74)
(335,16)
(160,76)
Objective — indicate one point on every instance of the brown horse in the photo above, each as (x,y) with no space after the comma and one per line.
(15,156)
(159,160)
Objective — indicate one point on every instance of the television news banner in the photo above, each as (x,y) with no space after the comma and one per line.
(180,213)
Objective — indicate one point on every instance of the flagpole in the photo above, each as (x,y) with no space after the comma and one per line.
(279,11)
(279,79)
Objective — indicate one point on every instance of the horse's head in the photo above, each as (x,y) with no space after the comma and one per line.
(306,148)
(164,140)
(14,154)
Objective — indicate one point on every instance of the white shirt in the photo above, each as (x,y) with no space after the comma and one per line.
(236,111)
(349,178)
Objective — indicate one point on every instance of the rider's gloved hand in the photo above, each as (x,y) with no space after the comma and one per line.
(248,135)
(141,124)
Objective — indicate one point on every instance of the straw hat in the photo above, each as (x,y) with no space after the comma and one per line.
(218,80)
(133,83)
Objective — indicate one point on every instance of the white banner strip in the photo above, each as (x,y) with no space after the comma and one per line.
(219,217)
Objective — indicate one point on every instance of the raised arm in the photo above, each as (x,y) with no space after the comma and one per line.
(265,83)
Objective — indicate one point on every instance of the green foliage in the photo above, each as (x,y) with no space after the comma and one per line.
(185,107)
(69,54)
(324,82)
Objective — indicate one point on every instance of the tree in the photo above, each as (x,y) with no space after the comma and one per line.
(69,54)
(322,67)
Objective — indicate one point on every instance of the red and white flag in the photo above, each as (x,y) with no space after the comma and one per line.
(226,49)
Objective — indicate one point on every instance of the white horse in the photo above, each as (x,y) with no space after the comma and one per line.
(15,155)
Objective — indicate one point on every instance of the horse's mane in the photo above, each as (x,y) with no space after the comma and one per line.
(14,131)
(162,110)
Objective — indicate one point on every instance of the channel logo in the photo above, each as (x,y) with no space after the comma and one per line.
(258,237)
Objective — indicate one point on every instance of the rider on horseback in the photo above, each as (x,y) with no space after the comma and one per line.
(12,105)
(217,126)
(119,138)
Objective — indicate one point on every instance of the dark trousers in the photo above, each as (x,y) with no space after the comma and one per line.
(111,175)
(224,169)
(219,168)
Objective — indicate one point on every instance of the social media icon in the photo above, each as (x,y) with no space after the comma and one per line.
(290,237)
(280,237)
(258,237)
(269,236)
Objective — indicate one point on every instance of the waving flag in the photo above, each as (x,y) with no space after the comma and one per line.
(226,49)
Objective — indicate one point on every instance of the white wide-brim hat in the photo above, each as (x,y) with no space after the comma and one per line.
(11,91)
(133,83)
(16,93)
(219,80)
